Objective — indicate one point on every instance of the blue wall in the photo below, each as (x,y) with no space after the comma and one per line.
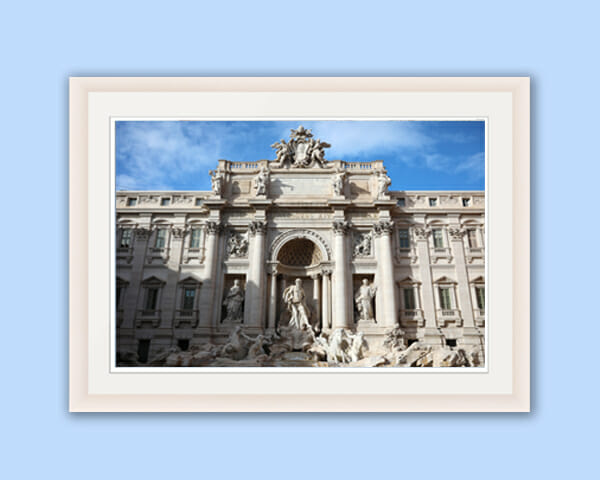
(42,44)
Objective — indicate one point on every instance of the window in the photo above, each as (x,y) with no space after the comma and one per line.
(143,350)
(183,344)
(472,238)
(445,302)
(131,202)
(165,202)
(409,298)
(161,238)
(480,297)
(401,202)
(438,238)
(195,238)
(189,294)
(151,298)
(433,202)
(466,202)
(403,238)
(198,202)
(125,238)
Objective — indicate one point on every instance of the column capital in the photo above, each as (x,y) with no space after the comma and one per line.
(383,227)
(142,233)
(179,232)
(325,271)
(340,227)
(421,233)
(257,227)
(214,228)
(456,233)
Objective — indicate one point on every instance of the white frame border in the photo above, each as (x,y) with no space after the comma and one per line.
(94,390)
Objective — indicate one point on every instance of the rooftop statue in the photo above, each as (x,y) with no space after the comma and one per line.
(302,151)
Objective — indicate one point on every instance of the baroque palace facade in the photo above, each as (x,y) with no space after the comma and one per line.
(192,267)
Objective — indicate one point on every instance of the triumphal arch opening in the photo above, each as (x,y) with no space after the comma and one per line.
(300,260)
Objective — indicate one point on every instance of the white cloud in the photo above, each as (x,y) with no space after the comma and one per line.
(349,138)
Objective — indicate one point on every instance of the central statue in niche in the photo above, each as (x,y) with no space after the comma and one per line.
(295,299)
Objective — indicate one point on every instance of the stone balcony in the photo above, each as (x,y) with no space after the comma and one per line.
(449,315)
(412,316)
(186,317)
(146,317)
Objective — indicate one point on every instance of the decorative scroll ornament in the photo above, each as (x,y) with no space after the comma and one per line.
(383,227)
(456,233)
(214,228)
(421,233)
(340,227)
(257,226)
(302,151)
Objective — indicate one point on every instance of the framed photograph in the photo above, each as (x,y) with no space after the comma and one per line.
(299,244)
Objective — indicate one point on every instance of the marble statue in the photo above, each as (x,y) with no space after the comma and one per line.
(383,182)
(216,180)
(261,181)
(237,245)
(237,344)
(257,349)
(362,245)
(338,183)
(234,303)
(364,301)
(295,299)
(283,153)
(317,152)
(338,346)
(358,347)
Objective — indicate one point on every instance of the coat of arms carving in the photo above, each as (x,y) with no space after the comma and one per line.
(301,151)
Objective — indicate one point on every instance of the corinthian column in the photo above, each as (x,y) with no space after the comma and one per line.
(213,229)
(326,299)
(385,266)
(341,317)
(470,333)
(255,288)
(273,299)
(431,334)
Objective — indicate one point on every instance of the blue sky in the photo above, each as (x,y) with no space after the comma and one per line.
(419,155)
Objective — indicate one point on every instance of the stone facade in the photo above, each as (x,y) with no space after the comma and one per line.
(332,224)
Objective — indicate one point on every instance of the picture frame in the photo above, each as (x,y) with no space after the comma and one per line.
(503,386)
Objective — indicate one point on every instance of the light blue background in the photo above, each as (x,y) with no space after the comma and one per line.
(43,43)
